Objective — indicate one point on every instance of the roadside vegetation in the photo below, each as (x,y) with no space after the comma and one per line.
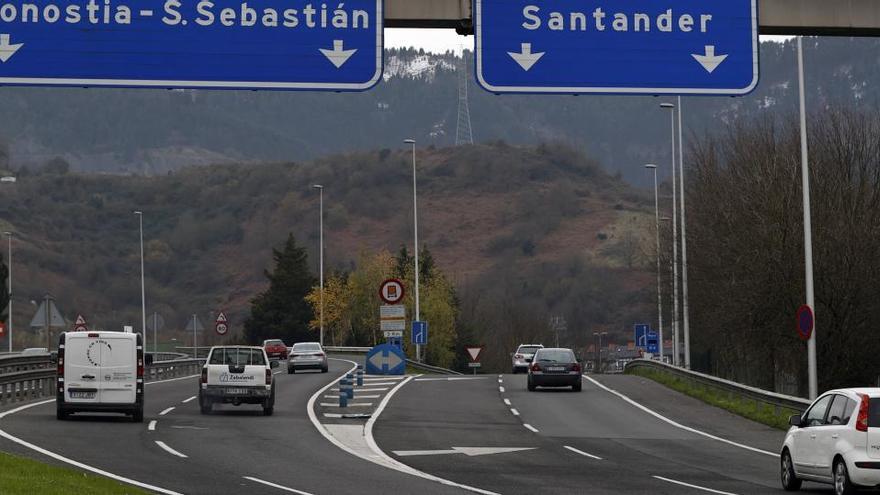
(22,476)
(741,406)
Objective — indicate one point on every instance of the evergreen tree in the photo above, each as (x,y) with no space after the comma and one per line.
(402,262)
(282,310)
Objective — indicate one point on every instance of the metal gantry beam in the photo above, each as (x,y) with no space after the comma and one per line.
(786,17)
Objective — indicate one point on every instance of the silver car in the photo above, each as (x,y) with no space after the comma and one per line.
(522,358)
(307,355)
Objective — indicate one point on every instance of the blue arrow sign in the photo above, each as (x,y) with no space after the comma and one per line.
(229,44)
(707,47)
(385,359)
(420,332)
(640,335)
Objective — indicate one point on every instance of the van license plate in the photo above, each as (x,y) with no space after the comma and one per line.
(82,395)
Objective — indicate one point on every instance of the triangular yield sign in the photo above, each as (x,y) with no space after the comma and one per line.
(80,321)
(474,353)
(221,318)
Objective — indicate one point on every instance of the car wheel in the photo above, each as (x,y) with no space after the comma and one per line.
(138,416)
(577,387)
(268,409)
(530,386)
(205,405)
(289,370)
(513,370)
(324,369)
(790,482)
(61,414)
(842,484)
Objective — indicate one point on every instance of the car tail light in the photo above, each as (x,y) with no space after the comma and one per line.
(140,368)
(862,420)
(204,375)
(536,367)
(576,367)
(60,365)
(319,354)
(269,377)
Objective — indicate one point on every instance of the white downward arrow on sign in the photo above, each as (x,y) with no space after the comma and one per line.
(526,59)
(7,50)
(468,451)
(709,61)
(337,56)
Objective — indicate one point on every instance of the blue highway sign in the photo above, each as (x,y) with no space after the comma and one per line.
(228,44)
(385,359)
(420,332)
(641,335)
(707,47)
(653,342)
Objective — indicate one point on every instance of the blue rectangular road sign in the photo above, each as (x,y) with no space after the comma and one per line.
(229,44)
(640,336)
(420,332)
(707,47)
(653,342)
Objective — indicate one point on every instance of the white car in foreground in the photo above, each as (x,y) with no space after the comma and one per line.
(836,441)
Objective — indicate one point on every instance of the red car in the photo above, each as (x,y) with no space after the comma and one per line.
(275,349)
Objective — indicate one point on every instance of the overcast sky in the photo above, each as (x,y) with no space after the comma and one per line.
(441,40)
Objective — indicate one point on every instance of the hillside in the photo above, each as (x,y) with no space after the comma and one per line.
(153,131)
(542,229)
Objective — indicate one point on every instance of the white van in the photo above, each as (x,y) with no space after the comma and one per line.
(100,372)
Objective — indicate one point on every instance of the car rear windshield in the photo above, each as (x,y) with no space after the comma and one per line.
(306,347)
(555,356)
(874,413)
(273,342)
(527,349)
(237,356)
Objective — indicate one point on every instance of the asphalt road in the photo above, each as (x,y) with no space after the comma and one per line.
(592,441)
(221,449)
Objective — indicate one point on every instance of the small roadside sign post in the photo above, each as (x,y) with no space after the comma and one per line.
(48,317)
(155,323)
(420,332)
(806,322)
(474,354)
(195,326)
(80,324)
(640,335)
(221,326)
(391,291)
(653,339)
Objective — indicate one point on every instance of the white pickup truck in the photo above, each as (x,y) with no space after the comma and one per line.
(237,375)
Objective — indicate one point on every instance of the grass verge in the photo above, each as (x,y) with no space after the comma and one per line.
(25,476)
(747,408)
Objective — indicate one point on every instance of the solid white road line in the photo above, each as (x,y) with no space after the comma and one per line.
(500,380)
(514,411)
(379,384)
(152,426)
(166,411)
(506,402)
(695,487)
(75,463)
(451,379)
(273,485)
(351,404)
(168,449)
(382,378)
(358,396)
(501,389)
(581,452)
(190,399)
(679,425)
(530,427)
(388,461)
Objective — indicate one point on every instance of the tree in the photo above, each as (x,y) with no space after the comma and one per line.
(337,309)
(4,289)
(282,311)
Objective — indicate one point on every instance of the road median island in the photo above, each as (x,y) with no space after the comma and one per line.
(25,476)
(773,416)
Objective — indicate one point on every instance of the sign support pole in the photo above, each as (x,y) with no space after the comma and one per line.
(808,229)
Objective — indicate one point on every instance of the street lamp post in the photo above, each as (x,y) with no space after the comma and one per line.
(808,228)
(9,307)
(653,168)
(320,189)
(140,216)
(675,344)
(416,239)
(684,259)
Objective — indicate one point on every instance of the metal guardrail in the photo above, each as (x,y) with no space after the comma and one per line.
(760,396)
(24,378)
(168,356)
(410,362)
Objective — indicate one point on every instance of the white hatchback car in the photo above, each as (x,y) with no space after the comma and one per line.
(836,441)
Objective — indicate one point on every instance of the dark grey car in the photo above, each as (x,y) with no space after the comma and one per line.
(555,368)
